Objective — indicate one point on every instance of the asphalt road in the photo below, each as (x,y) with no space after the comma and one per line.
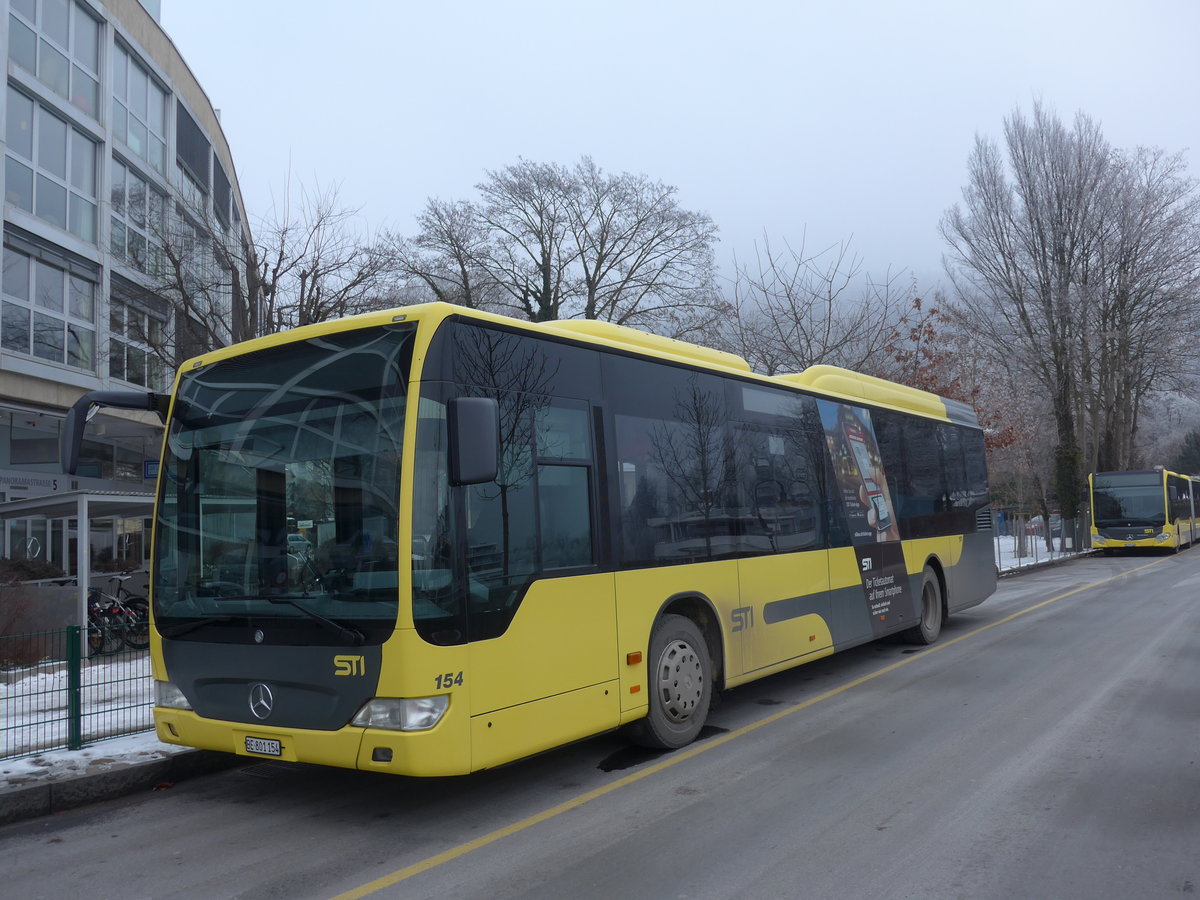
(1047,746)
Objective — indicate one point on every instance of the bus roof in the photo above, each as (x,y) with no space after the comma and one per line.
(1157,470)
(824,380)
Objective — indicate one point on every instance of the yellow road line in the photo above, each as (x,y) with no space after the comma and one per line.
(680,756)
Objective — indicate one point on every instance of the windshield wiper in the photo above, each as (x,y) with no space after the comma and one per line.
(350,635)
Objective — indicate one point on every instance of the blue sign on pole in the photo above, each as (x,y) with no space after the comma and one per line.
(149,468)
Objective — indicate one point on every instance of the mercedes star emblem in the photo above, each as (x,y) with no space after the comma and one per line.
(261,700)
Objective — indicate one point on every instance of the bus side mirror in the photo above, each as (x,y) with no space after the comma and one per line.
(71,437)
(473,425)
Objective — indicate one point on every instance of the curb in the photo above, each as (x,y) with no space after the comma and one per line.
(69,793)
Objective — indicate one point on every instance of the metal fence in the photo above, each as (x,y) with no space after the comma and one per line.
(1023,540)
(53,698)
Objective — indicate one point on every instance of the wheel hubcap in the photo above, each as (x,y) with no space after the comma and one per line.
(680,681)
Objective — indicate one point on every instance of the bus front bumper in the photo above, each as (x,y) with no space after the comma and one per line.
(424,753)
(1157,542)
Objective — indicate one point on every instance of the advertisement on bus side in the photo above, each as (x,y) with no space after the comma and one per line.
(858,468)
(867,501)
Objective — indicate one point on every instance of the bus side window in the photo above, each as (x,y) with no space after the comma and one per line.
(502,524)
(563,436)
(566,518)
(889,434)
(776,484)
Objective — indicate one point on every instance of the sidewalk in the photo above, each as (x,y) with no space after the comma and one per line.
(64,779)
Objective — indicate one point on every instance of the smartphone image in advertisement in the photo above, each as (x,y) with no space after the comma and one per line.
(857,438)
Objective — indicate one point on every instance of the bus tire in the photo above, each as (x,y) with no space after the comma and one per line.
(679,672)
(927,630)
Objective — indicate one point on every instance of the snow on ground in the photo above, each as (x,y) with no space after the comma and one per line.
(115,693)
(117,697)
(1014,554)
(98,757)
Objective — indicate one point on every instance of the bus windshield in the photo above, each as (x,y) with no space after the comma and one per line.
(278,509)
(1128,498)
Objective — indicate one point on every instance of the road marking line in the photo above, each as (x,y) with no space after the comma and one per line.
(679,756)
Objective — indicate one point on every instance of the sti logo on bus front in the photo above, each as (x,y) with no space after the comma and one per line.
(349,665)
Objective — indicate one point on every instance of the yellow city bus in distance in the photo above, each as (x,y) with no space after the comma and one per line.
(431,540)
(1150,509)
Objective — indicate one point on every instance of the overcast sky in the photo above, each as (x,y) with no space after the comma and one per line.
(843,120)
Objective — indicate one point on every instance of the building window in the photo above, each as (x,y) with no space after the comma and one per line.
(48,312)
(139,111)
(222,193)
(137,224)
(50,167)
(192,149)
(136,342)
(58,42)
(191,194)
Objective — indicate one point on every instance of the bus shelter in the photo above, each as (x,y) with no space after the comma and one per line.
(83,506)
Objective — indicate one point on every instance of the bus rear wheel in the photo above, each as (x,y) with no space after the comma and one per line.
(680,686)
(927,630)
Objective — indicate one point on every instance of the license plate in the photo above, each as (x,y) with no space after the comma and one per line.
(263,746)
(1130,544)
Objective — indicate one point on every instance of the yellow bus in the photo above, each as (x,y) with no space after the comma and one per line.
(431,540)
(1151,509)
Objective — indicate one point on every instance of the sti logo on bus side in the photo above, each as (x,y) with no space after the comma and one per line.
(349,665)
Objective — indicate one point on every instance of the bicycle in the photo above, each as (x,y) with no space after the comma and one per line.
(117,619)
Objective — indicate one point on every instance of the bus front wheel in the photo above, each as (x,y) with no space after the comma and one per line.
(930,626)
(679,672)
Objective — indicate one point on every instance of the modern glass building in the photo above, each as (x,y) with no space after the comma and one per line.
(123,223)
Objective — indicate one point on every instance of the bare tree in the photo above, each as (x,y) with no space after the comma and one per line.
(198,289)
(217,286)
(1022,251)
(546,242)
(1059,253)
(322,269)
(1168,429)
(793,309)
(525,209)
(447,256)
(644,259)
(1138,336)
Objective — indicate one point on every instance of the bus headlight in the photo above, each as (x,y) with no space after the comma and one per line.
(166,694)
(413,714)
(1162,537)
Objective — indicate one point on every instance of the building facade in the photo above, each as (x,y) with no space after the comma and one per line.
(123,223)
